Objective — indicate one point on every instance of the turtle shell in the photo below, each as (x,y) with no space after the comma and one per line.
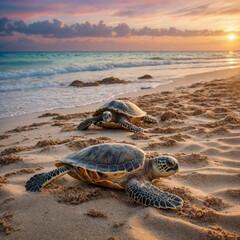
(107,158)
(121,106)
(105,164)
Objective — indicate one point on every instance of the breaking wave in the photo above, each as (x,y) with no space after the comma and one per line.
(50,71)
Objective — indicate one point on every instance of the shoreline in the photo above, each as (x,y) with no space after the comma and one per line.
(25,119)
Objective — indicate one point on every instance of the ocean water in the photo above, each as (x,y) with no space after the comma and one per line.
(37,81)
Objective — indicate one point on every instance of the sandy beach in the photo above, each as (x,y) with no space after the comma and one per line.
(199,124)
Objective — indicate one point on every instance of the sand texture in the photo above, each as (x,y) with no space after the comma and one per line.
(198,124)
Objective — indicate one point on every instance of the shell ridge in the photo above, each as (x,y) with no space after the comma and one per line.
(122,106)
(108,158)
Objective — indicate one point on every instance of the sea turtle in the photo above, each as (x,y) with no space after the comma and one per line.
(119,166)
(118,114)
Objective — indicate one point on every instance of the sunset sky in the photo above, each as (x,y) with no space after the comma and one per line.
(108,25)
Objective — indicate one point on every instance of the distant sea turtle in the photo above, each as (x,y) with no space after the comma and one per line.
(117,114)
(120,166)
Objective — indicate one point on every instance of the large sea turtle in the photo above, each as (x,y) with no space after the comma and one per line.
(118,114)
(120,166)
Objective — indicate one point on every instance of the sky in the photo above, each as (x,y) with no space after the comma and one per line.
(119,25)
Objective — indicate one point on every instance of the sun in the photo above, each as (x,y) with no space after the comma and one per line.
(231,37)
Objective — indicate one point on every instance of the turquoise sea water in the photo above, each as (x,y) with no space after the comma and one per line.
(38,81)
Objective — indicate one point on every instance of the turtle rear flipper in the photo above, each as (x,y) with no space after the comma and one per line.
(149,195)
(40,180)
(149,119)
(84,125)
(129,126)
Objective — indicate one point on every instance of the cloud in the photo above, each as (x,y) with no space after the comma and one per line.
(7,26)
(122,30)
(124,13)
(208,9)
(192,11)
(32,9)
(91,30)
(57,29)
(172,31)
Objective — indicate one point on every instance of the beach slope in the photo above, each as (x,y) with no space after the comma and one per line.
(198,124)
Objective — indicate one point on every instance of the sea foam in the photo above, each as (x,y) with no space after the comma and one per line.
(71,68)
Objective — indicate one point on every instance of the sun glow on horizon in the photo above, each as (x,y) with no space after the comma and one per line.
(231,37)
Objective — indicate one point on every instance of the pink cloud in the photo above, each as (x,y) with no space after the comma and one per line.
(25,9)
(207,9)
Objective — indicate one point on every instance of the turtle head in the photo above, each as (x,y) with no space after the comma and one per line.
(107,116)
(162,166)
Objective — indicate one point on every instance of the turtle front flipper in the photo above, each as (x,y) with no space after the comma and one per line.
(129,126)
(149,195)
(149,119)
(84,125)
(40,180)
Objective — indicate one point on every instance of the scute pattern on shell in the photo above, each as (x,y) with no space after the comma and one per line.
(108,158)
(121,106)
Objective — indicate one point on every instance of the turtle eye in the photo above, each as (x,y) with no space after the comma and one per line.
(170,163)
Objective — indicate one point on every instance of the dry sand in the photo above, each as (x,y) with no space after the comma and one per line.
(199,125)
